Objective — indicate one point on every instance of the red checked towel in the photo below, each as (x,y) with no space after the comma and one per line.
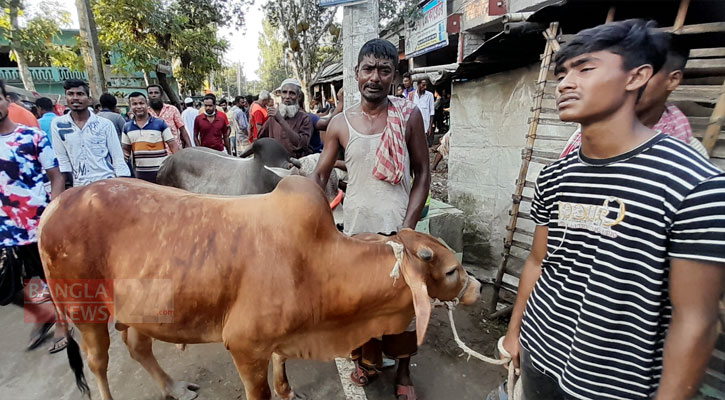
(390,156)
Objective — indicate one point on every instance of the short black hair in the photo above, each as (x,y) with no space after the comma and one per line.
(108,101)
(379,48)
(250,99)
(136,94)
(2,88)
(209,96)
(677,54)
(237,98)
(76,83)
(408,75)
(223,101)
(44,104)
(635,40)
(155,85)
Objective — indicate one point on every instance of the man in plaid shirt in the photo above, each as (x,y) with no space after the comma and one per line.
(652,108)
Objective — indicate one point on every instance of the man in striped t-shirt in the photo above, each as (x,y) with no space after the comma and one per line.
(144,136)
(619,296)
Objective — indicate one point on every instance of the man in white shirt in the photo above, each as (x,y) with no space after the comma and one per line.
(86,145)
(425,102)
(188,116)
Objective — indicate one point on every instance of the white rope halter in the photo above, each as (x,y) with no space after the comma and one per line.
(513,387)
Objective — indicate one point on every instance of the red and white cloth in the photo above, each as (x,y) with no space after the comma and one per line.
(673,122)
(390,156)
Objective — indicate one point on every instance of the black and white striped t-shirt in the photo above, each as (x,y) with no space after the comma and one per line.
(597,318)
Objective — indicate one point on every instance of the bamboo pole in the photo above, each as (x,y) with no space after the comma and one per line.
(610,15)
(681,14)
(551,47)
(716,120)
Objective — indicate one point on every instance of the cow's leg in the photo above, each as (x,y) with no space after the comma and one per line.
(140,348)
(95,344)
(281,384)
(253,374)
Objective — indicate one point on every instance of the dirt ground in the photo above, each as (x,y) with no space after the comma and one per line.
(439,179)
(439,371)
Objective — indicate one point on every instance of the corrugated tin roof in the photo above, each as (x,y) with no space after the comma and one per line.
(330,73)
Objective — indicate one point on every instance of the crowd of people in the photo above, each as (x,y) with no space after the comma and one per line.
(619,296)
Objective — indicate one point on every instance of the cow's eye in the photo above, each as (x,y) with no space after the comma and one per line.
(451,272)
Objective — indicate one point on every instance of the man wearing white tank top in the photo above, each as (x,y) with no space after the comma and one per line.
(385,148)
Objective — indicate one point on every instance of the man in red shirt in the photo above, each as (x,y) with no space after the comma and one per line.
(169,114)
(211,129)
(258,114)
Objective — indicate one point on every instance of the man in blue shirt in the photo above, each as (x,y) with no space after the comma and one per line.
(45,108)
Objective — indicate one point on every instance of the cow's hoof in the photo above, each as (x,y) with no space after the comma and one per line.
(181,390)
(293,396)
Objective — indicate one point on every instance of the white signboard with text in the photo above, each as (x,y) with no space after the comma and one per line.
(430,31)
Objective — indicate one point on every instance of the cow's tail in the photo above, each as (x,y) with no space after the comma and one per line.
(76,364)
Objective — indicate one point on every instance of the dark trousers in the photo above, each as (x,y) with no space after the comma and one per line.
(148,176)
(536,384)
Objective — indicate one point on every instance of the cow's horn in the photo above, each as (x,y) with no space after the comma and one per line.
(425,253)
(295,162)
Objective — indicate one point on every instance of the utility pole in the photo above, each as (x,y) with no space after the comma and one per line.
(359,24)
(91,49)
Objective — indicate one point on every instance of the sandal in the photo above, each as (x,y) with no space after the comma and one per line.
(407,391)
(38,336)
(60,343)
(363,374)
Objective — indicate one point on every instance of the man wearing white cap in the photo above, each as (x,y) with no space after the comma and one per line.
(288,124)
(188,117)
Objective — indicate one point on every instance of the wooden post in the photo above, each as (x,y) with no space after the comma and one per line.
(716,120)
(681,14)
(610,15)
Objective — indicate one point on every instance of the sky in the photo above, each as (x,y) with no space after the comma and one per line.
(242,44)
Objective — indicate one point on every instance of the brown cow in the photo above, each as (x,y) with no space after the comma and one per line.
(265,274)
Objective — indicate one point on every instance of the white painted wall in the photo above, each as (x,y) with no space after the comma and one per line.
(518,5)
(489,123)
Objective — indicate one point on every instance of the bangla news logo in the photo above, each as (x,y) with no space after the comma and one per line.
(102,300)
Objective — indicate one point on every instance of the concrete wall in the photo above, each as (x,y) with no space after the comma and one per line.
(518,5)
(489,123)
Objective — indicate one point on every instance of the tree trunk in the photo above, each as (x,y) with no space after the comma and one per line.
(91,49)
(25,74)
(173,98)
(146,77)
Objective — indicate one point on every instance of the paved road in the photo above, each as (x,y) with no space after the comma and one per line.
(437,370)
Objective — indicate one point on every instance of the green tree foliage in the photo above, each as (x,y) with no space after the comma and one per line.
(34,36)
(39,37)
(272,69)
(306,29)
(145,32)
(394,12)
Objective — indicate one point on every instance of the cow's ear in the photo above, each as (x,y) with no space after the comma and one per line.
(421,301)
